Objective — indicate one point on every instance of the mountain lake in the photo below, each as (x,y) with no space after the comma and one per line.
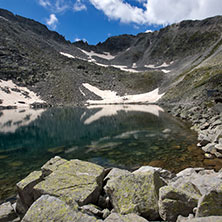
(124,136)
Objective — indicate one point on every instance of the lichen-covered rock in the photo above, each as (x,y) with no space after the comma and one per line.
(211,203)
(74,181)
(164,174)
(135,193)
(25,189)
(52,165)
(50,209)
(114,217)
(177,200)
(115,172)
(7,212)
(92,210)
(200,219)
(203,179)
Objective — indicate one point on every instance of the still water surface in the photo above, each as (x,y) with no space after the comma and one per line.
(122,136)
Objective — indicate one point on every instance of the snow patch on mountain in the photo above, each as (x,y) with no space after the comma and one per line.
(14,95)
(105,55)
(111,97)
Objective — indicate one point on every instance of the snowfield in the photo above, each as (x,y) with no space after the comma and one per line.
(111,97)
(13,95)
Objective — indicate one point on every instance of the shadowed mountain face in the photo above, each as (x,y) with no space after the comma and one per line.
(183,60)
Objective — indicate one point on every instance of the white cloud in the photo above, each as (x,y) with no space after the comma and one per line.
(79,6)
(158,11)
(52,21)
(78,39)
(148,31)
(117,9)
(56,6)
(61,5)
(44,3)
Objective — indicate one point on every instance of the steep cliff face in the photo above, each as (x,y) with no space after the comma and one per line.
(183,60)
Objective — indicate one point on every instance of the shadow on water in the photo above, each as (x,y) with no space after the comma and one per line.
(125,136)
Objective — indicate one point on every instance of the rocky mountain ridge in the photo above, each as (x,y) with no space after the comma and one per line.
(183,56)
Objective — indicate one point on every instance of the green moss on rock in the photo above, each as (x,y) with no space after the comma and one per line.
(135,194)
(74,182)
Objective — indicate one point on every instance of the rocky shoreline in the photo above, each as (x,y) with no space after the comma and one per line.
(206,120)
(76,190)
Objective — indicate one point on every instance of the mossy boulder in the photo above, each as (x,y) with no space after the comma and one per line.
(210,204)
(74,181)
(114,217)
(48,208)
(135,193)
(177,200)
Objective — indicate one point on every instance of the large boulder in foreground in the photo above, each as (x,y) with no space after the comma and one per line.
(74,181)
(114,217)
(178,199)
(135,193)
(211,203)
(48,208)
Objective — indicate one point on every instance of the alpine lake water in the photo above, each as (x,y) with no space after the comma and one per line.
(124,136)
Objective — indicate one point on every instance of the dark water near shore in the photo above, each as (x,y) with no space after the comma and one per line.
(122,136)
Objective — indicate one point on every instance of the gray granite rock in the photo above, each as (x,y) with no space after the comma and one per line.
(203,179)
(135,193)
(74,181)
(210,204)
(164,174)
(177,199)
(114,217)
(200,219)
(50,209)
(25,190)
(7,212)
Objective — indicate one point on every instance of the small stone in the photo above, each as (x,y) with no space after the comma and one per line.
(218,155)
(166,131)
(203,142)
(204,126)
(208,156)
(219,146)
(209,147)
(7,212)
(91,209)
(106,212)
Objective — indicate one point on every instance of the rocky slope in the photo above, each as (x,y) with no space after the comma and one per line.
(182,60)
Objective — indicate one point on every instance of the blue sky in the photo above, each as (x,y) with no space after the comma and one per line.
(96,20)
